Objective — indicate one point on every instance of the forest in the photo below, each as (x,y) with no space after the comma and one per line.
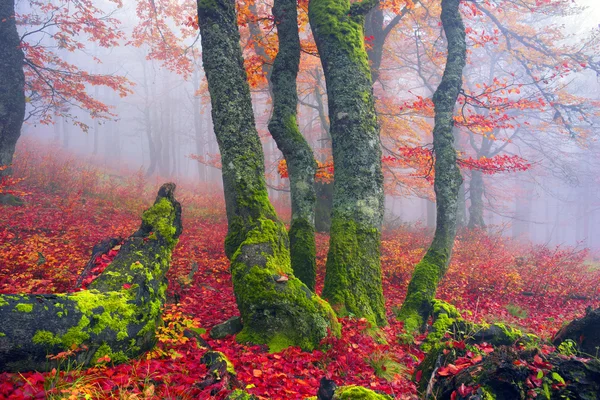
(300,199)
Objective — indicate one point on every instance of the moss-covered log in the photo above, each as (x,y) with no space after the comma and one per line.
(510,373)
(584,332)
(276,308)
(12,82)
(117,316)
(428,272)
(353,277)
(298,155)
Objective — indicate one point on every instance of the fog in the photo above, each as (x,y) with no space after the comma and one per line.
(163,127)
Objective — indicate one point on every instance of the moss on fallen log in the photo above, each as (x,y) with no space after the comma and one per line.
(116,317)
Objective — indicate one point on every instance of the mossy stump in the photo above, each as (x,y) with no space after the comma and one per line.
(117,316)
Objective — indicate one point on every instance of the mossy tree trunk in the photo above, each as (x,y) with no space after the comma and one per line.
(277,309)
(353,278)
(298,155)
(12,83)
(118,314)
(430,270)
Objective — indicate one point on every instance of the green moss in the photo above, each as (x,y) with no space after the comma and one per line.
(2,334)
(239,394)
(46,338)
(22,307)
(279,314)
(421,290)
(303,252)
(353,392)
(445,317)
(105,350)
(3,302)
(161,217)
(332,18)
(353,276)
(486,393)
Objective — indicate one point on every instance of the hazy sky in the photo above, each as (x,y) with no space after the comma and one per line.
(590,17)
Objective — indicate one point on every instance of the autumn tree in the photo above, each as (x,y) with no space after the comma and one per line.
(277,309)
(429,271)
(353,275)
(12,82)
(299,157)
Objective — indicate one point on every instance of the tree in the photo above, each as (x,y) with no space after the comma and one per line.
(428,272)
(298,154)
(116,316)
(353,276)
(277,309)
(12,82)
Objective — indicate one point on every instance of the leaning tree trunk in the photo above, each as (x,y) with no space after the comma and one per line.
(353,278)
(116,316)
(423,285)
(277,309)
(298,155)
(12,83)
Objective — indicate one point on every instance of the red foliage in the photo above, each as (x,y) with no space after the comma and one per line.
(487,274)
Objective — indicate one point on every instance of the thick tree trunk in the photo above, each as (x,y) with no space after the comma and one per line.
(118,314)
(277,309)
(299,157)
(12,82)
(423,285)
(353,278)
(476,197)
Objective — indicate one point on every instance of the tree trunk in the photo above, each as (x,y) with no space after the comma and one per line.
(299,157)
(353,278)
(423,285)
(277,309)
(476,197)
(118,314)
(12,83)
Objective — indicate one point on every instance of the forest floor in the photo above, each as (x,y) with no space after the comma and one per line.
(70,206)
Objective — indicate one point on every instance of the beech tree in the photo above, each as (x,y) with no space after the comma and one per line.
(277,309)
(12,82)
(301,164)
(428,272)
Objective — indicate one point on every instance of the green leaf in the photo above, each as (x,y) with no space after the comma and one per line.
(558,378)
(540,374)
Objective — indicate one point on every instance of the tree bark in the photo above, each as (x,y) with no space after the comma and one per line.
(277,309)
(298,155)
(353,278)
(476,197)
(118,314)
(12,83)
(423,285)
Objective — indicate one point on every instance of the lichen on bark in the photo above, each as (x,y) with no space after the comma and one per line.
(118,314)
(12,82)
(353,277)
(421,290)
(296,151)
(276,308)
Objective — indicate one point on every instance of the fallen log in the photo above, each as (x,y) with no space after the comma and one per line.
(116,316)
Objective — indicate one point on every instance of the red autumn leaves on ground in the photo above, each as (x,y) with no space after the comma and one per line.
(492,278)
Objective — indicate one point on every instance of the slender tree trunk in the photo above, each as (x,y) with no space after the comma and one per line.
(299,157)
(476,196)
(12,83)
(277,309)
(118,314)
(353,278)
(198,126)
(427,274)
